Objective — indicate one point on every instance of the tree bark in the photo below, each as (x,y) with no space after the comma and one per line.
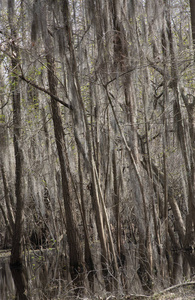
(75,254)
(192,11)
(16,252)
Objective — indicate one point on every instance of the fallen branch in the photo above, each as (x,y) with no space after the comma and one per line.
(136,297)
(180,285)
(176,287)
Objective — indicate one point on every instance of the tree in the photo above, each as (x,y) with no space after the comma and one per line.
(102,95)
(16,255)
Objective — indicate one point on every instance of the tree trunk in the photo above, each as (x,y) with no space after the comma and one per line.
(192,11)
(16,252)
(75,254)
(96,192)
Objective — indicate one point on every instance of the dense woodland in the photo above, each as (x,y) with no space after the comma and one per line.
(97,138)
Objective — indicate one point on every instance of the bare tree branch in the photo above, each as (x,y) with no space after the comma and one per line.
(45,91)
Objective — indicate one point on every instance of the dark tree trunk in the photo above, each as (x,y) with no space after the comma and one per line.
(16,253)
(192,11)
(75,253)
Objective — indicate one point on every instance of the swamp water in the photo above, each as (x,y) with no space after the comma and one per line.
(46,276)
(43,276)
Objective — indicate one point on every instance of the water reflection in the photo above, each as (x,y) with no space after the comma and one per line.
(7,287)
(42,277)
(20,281)
(45,276)
(183,267)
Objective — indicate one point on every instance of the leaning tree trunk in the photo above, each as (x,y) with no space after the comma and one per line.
(75,253)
